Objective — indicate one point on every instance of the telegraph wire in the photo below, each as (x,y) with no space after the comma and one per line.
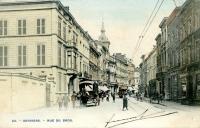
(148,27)
(141,35)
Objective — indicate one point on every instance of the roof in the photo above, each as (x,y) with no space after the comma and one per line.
(59,4)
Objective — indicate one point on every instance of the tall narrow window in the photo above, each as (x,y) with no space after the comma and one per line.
(198,50)
(21,27)
(59,54)
(65,82)
(64,30)
(65,65)
(80,63)
(3,56)
(21,55)
(59,26)
(74,59)
(40,26)
(59,81)
(69,59)
(40,54)
(3,27)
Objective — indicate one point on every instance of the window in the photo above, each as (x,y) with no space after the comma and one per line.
(59,81)
(65,64)
(189,26)
(59,26)
(198,50)
(75,37)
(69,59)
(74,61)
(40,54)
(21,55)
(59,54)
(3,27)
(40,26)
(65,82)
(3,56)
(64,30)
(21,27)
(80,63)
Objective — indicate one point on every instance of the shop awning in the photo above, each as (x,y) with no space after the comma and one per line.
(130,88)
(87,82)
(103,88)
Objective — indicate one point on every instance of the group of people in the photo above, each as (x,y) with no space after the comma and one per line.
(156,96)
(63,101)
(139,96)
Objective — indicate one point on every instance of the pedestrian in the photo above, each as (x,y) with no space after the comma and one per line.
(158,97)
(98,100)
(113,96)
(107,97)
(161,97)
(125,102)
(66,101)
(60,102)
(137,96)
(73,99)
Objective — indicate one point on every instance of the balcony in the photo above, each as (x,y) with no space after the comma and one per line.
(72,72)
(71,44)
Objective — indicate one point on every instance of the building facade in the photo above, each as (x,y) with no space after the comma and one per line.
(152,87)
(190,51)
(137,80)
(94,62)
(43,39)
(121,69)
(173,61)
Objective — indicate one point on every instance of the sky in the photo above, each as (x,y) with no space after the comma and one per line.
(124,21)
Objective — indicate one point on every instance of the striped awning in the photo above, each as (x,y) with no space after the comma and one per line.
(87,82)
(103,88)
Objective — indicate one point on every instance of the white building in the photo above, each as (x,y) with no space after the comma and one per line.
(42,38)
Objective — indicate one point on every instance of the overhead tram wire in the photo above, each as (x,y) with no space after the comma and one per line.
(149,25)
(151,22)
(141,35)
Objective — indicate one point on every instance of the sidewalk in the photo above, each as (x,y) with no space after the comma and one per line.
(174,105)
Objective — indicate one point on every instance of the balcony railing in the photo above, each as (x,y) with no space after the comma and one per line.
(71,44)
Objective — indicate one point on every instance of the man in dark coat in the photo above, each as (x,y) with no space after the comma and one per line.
(113,96)
(125,102)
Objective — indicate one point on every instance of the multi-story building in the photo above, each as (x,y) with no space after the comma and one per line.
(163,58)
(152,87)
(130,72)
(189,28)
(111,71)
(159,74)
(121,69)
(143,76)
(137,81)
(172,47)
(42,38)
(94,61)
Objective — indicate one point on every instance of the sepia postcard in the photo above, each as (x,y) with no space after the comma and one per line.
(99,63)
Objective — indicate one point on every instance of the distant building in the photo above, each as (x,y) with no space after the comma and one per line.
(121,69)
(137,81)
(151,59)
